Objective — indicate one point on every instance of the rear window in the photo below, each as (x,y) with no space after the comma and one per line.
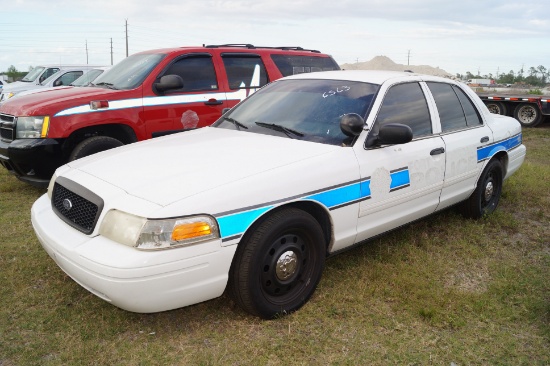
(293,64)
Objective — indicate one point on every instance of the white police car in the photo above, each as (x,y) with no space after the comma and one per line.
(306,167)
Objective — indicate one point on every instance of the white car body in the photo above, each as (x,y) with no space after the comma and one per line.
(239,178)
(48,84)
(17,87)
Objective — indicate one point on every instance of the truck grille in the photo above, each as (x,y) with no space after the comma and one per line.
(76,205)
(7,127)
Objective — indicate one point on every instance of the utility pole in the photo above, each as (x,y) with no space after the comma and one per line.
(86,52)
(126,37)
(408,57)
(111,51)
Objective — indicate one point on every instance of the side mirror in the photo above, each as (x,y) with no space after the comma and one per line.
(58,82)
(352,124)
(169,82)
(394,133)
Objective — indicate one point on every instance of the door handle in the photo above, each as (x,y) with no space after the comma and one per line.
(439,150)
(213,102)
(484,139)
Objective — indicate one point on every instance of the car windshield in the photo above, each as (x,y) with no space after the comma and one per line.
(302,109)
(130,72)
(87,78)
(33,74)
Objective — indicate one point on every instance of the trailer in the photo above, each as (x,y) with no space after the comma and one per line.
(528,109)
(481,82)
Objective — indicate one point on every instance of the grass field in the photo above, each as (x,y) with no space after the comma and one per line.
(443,290)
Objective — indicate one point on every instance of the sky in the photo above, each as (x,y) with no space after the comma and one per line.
(479,36)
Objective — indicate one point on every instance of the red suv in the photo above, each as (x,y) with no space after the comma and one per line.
(148,94)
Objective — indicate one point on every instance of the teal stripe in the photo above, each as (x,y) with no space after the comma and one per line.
(487,152)
(337,196)
(399,179)
(237,223)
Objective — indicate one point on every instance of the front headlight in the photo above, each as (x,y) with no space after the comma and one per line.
(8,95)
(32,127)
(151,234)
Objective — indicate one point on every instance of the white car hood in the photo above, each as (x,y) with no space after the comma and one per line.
(165,170)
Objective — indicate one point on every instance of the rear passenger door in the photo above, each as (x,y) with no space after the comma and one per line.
(463,132)
(199,103)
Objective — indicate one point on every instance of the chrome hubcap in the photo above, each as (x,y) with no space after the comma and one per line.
(286,265)
(489,189)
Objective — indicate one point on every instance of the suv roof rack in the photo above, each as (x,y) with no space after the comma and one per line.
(250,46)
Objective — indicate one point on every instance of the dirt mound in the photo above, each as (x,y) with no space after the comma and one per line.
(385,63)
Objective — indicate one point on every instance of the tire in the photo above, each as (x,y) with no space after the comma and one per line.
(528,114)
(484,200)
(279,264)
(497,108)
(93,145)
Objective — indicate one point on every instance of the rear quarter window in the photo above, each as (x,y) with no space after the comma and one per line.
(244,71)
(293,64)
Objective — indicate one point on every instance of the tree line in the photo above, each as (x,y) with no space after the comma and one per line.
(14,75)
(535,76)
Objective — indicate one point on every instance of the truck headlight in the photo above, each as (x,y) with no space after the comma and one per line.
(152,234)
(32,127)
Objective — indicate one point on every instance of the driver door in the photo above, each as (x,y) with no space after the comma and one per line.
(403,182)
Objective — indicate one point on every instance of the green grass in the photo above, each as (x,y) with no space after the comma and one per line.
(442,290)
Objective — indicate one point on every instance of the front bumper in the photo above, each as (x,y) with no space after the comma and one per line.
(32,160)
(134,280)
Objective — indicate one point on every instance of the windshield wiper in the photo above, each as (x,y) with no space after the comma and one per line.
(108,85)
(235,122)
(287,131)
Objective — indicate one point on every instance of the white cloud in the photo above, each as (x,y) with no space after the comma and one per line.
(441,33)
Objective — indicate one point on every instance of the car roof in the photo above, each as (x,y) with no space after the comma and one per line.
(245,48)
(367,76)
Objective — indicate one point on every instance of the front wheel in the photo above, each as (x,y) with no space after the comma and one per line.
(528,115)
(484,200)
(94,145)
(278,266)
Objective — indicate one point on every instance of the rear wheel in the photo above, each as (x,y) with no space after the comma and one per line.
(528,115)
(93,145)
(277,268)
(497,108)
(484,200)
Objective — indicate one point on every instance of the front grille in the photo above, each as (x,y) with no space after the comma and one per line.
(76,205)
(7,127)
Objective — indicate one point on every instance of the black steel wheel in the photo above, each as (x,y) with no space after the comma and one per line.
(94,145)
(484,200)
(279,264)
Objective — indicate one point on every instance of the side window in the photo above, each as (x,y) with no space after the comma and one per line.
(68,77)
(470,111)
(244,71)
(292,65)
(197,73)
(49,72)
(406,104)
(449,107)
